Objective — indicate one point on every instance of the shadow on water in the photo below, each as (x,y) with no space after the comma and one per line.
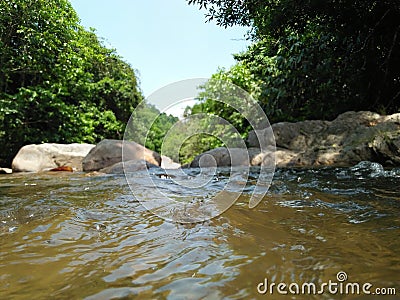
(74,236)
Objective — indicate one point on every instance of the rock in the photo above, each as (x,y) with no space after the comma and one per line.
(168,163)
(62,169)
(130,166)
(387,148)
(297,136)
(36,158)
(109,152)
(284,157)
(350,138)
(222,157)
(264,137)
(5,171)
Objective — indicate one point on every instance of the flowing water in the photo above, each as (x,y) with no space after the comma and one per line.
(75,236)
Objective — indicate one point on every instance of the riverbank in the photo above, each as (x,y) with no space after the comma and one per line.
(349,139)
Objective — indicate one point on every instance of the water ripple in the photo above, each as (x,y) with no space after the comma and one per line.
(88,237)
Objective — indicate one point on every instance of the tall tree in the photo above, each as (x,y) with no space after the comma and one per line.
(318,58)
(58,83)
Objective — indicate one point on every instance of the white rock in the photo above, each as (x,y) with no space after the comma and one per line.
(168,163)
(36,158)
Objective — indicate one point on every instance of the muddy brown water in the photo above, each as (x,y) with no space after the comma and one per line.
(73,236)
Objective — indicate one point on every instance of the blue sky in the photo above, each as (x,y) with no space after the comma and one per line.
(165,40)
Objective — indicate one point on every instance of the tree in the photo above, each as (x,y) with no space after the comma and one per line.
(224,114)
(58,83)
(148,126)
(158,130)
(316,59)
(223,82)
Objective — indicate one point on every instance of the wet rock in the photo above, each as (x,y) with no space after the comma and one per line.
(109,152)
(36,158)
(129,166)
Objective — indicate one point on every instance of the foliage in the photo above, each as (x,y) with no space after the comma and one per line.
(196,145)
(183,147)
(222,86)
(158,130)
(301,77)
(148,126)
(316,59)
(220,118)
(195,135)
(58,83)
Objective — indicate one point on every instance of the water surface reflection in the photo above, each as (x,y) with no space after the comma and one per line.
(74,236)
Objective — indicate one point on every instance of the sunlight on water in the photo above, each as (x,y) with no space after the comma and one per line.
(74,236)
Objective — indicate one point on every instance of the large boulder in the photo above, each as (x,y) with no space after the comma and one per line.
(263,138)
(128,167)
(387,148)
(109,152)
(283,157)
(223,157)
(350,138)
(36,158)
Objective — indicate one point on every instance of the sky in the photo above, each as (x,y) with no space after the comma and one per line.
(164,40)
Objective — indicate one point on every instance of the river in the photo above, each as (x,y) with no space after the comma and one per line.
(76,236)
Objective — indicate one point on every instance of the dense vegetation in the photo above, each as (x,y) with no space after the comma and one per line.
(148,126)
(308,60)
(58,82)
(314,59)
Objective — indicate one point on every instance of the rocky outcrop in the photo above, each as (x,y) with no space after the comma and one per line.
(128,166)
(222,157)
(350,138)
(43,157)
(386,147)
(109,152)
